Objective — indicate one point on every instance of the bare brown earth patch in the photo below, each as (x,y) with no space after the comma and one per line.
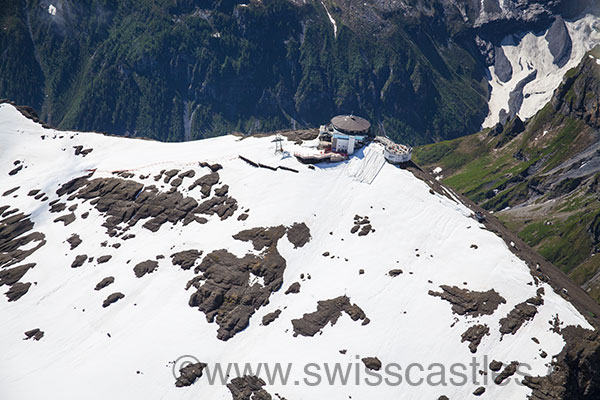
(470,303)
(328,311)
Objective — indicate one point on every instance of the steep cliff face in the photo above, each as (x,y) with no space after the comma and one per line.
(578,95)
(187,69)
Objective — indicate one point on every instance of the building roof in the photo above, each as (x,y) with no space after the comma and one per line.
(350,123)
(340,136)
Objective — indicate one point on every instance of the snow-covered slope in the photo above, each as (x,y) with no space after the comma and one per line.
(392,272)
(529,67)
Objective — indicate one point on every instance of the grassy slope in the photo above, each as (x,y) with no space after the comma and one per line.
(501,172)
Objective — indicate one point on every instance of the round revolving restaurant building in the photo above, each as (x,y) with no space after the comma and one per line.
(350,125)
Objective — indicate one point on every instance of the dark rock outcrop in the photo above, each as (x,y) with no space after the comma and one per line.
(248,387)
(559,42)
(35,334)
(112,298)
(298,234)
(104,283)
(189,374)
(474,334)
(14,235)
(125,201)
(372,363)
(104,259)
(522,313)
(495,365)
(294,288)
(506,373)
(270,317)
(79,260)
(502,66)
(577,95)
(328,311)
(574,371)
(10,276)
(186,258)
(479,391)
(516,97)
(17,291)
(145,267)
(470,303)
(205,182)
(261,237)
(74,240)
(223,292)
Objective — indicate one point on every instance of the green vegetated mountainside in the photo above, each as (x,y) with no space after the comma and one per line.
(183,69)
(541,178)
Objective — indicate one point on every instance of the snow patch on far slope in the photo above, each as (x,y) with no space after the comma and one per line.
(331,19)
(530,53)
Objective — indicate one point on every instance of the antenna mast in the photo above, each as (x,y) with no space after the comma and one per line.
(278,144)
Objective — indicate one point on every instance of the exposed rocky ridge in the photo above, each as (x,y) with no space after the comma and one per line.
(470,303)
(575,369)
(15,246)
(128,201)
(328,311)
(522,313)
(474,334)
(559,42)
(223,291)
(35,334)
(189,374)
(578,95)
(248,387)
